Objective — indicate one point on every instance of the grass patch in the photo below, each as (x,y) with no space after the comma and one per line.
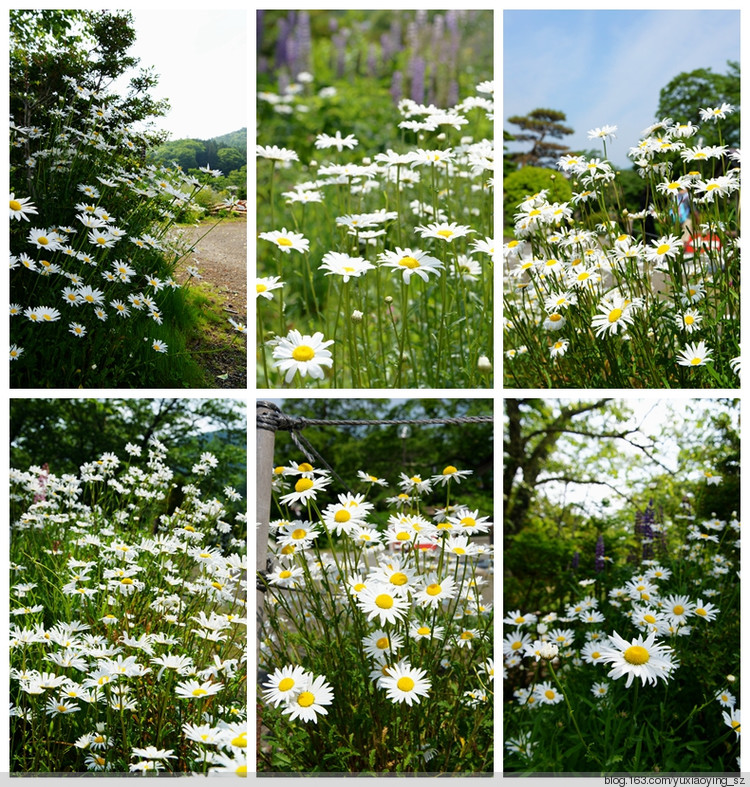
(213,342)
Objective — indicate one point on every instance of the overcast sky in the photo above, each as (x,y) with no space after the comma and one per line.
(202,60)
(607,67)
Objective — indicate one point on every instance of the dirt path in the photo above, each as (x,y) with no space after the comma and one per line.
(221,259)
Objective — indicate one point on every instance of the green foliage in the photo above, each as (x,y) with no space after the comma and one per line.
(49,46)
(123,276)
(65,433)
(688,92)
(676,725)
(538,127)
(426,450)
(317,624)
(227,153)
(530,180)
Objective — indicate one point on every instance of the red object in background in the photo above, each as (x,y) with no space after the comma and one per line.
(704,243)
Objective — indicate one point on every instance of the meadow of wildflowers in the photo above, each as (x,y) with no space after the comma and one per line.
(376,642)
(94,300)
(631,662)
(600,297)
(128,619)
(375,248)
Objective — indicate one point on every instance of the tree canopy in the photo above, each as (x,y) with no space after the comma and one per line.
(540,127)
(578,472)
(65,433)
(49,47)
(690,91)
(227,153)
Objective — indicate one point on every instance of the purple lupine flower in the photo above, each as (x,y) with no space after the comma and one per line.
(397,86)
(599,554)
(285,26)
(304,43)
(416,73)
(372,61)
(452,93)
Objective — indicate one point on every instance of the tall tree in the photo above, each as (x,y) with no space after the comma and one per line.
(540,127)
(48,47)
(689,92)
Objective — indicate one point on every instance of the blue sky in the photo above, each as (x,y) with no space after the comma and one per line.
(607,67)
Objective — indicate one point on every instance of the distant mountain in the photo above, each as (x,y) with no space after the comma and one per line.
(235,139)
(227,152)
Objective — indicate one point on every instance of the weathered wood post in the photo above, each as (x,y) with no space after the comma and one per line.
(265,431)
(265,435)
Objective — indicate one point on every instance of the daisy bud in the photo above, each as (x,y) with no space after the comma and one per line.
(731,679)
(388,299)
(356,316)
(483,364)
(548,651)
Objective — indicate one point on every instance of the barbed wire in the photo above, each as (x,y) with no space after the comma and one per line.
(275,420)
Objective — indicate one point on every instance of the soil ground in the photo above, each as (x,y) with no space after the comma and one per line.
(221,257)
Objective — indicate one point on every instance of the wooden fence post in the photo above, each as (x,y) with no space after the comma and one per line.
(265,437)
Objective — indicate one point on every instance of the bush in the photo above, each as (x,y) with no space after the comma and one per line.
(528,181)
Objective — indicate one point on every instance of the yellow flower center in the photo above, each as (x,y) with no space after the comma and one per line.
(663,249)
(549,694)
(459,551)
(615,315)
(240,741)
(384,601)
(285,684)
(15,205)
(299,533)
(399,578)
(303,485)
(101,240)
(409,262)
(342,516)
(636,654)
(189,528)
(285,574)
(306,699)
(595,654)
(303,353)
(260,288)
(423,630)
(126,581)
(382,643)
(405,683)
(402,536)
(689,319)
(445,233)
(695,361)
(199,692)
(434,589)
(450,470)
(649,618)
(359,586)
(43,240)
(735,725)
(468,521)
(700,611)
(283,241)
(467,635)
